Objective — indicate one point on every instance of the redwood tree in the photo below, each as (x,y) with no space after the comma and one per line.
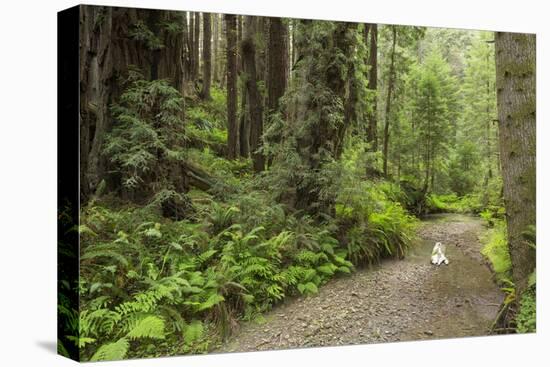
(255,105)
(277,63)
(516,105)
(232,126)
(371,38)
(196,41)
(206,56)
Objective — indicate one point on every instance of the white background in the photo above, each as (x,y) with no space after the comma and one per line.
(28,181)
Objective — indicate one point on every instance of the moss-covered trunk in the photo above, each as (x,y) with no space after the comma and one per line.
(515,67)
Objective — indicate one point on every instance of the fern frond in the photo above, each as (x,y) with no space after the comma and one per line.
(193,331)
(111,351)
(149,327)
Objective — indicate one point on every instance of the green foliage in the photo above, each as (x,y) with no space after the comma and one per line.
(146,280)
(495,249)
(206,120)
(370,215)
(148,327)
(111,351)
(451,203)
(526,319)
(146,140)
(141,32)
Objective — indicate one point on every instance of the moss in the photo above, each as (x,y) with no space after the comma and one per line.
(495,249)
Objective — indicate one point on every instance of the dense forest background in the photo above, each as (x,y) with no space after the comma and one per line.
(228,162)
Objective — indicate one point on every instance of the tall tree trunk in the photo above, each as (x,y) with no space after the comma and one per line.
(196,43)
(244,118)
(516,105)
(191,47)
(255,106)
(391,78)
(206,55)
(186,49)
(215,47)
(277,68)
(262,31)
(153,23)
(239,40)
(277,63)
(222,73)
(107,50)
(244,126)
(171,57)
(232,126)
(96,70)
(320,143)
(371,36)
(350,94)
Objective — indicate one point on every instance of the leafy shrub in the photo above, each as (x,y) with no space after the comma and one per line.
(495,249)
(147,134)
(372,225)
(451,203)
(526,319)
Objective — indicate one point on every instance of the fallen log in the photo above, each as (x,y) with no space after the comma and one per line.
(198,177)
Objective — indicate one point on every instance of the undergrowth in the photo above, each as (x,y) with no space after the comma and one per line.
(151,286)
(495,249)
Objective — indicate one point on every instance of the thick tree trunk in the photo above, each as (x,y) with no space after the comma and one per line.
(350,92)
(206,55)
(244,116)
(107,51)
(239,40)
(222,72)
(320,143)
(196,43)
(191,46)
(186,48)
(277,63)
(277,68)
(391,78)
(95,73)
(244,126)
(516,104)
(153,21)
(215,47)
(371,36)
(261,40)
(171,58)
(232,126)
(255,105)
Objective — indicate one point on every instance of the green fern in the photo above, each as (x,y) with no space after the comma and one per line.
(308,288)
(212,300)
(111,351)
(148,327)
(193,332)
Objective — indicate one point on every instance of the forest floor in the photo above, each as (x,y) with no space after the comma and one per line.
(397,300)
